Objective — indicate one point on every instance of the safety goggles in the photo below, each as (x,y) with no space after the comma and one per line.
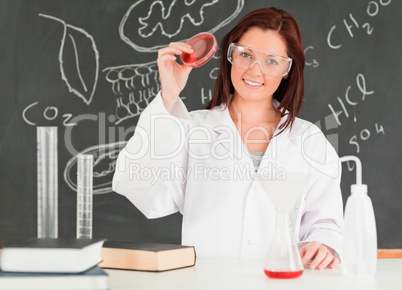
(270,64)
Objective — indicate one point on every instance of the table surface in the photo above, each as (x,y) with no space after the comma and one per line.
(248,274)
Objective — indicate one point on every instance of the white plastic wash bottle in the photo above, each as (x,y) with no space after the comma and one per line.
(360,234)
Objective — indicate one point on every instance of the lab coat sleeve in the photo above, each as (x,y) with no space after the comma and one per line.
(151,169)
(322,217)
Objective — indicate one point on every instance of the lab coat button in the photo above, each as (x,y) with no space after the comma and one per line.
(253,187)
(249,242)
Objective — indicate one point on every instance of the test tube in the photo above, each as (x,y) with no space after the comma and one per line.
(84,195)
(46,138)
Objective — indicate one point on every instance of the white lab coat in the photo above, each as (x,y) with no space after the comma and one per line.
(196,163)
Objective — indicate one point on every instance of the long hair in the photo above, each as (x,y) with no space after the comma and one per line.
(290,92)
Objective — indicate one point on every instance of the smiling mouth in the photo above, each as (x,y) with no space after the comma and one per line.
(253,84)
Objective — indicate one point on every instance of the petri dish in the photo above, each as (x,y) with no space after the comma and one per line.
(204,45)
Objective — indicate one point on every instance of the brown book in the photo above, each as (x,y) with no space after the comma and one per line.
(146,256)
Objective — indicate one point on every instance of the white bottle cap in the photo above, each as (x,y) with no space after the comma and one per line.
(358,188)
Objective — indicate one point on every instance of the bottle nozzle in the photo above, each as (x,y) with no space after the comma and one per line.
(358,167)
(358,188)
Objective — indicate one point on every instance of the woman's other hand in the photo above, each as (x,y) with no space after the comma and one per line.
(320,256)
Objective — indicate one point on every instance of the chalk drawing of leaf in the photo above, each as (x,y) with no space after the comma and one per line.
(79,60)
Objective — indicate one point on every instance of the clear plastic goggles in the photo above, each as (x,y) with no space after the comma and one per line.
(270,64)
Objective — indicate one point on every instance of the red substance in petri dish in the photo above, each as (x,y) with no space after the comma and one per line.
(283,275)
(204,45)
(190,58)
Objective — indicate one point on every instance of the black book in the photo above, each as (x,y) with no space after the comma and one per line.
(51,255)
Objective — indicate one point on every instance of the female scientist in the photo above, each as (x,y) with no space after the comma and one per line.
(203,163)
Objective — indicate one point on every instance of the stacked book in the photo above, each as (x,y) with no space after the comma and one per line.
(52,264)
(154,257)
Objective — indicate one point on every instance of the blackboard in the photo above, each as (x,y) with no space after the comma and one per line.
(88,67)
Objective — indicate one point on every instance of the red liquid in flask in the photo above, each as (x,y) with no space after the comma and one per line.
(283,275)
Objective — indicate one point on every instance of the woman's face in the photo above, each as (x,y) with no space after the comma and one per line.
(251,84)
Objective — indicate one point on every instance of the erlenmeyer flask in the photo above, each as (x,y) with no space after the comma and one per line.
(284,258)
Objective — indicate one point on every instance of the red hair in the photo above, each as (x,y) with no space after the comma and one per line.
(290,92)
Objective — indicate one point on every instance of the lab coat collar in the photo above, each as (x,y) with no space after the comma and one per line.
(219,120)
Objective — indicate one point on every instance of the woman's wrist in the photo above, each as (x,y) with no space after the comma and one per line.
(168,102)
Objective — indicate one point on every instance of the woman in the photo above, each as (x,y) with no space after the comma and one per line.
(207,160)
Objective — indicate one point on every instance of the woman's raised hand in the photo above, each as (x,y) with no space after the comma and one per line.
(173,76)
